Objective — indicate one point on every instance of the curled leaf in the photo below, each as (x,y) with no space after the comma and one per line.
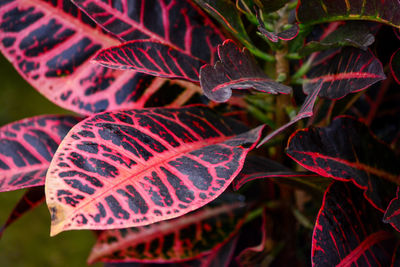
(236,69)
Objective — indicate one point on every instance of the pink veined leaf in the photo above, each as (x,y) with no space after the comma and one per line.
(285,35)
(350,71)
(395,65)
(392,213)
(184,238)
(151,57)
(178,24)
(136,167)
(51,43)
(30,200)
(342,151)
(305,111)
(236,69)
(350,232)
(28,146)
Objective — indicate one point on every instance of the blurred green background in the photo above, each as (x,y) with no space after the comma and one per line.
(27,242)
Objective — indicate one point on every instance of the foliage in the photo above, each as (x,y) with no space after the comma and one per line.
(164,159)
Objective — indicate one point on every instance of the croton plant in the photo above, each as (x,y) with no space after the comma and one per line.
(210,133)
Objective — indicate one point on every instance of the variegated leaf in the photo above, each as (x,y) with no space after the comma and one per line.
(136,167)
(27,147)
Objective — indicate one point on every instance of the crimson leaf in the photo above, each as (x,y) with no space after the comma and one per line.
(201,232)
(50,43)
(27,147)
(179,25)
(342,151)
(350,71)
(236,69)
(135,167)
(349,232)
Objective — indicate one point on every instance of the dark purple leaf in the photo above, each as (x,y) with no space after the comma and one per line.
(392,213)
(342,151)
(350,232)
(305,111)
(395,65)
(352,33)
(236,69)
(32,198)
(151,57)
(178,24)
(350,71)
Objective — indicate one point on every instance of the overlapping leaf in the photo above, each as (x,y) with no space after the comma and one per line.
(236,69)
(27,147)
(30,200)
(395,65)
(136,167)
(183,238)
(349,231)
(347,72)
(153,58)
(316,11)
(352,33)
(392,213)
(180,25)
(176,37)
(50,43)
(342,151)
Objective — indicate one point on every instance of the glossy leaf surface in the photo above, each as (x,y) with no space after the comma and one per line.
(30,200)
(136,167)
(316,11)
(236,69)
(201,232)
(178,24)
(349,71)
(395,65)
(27,147)
(349,231)
(352,33)
(305,111)
(50,43)
(342,151)
(151,57)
